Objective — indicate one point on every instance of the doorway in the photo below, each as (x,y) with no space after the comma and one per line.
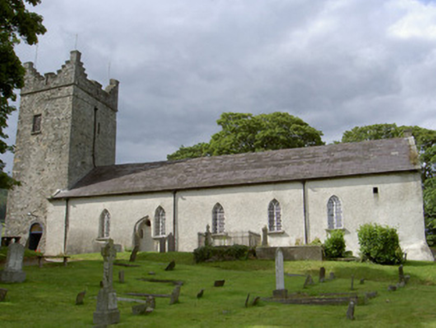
(35,234)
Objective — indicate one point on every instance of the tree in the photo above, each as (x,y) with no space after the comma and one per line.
(16,24)
(426,144)
(244,133)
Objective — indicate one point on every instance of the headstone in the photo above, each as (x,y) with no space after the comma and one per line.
(247,299)
(219,283)
(392,288)
(141,309)
(256,301)
(208,237)
(133,254)
(308,281)
(171,266)
(151,302)
(151,273)
(401,284)
(200,293)
(280,291)
(332,275)
(174,298)
(401,273)
(352,282)
(350,311)
(171,243)
(371,294)
(406,278)
(265,236)
(121,276)
(162,245)
(107,312)
(3,293)
(13,270)
(362,281)
(80,297)
(322,274)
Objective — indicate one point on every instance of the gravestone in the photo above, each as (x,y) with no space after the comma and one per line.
(265,236)
(80,297)
(401,274)
(247,299)
(256,301)
(133,254)
(13,270)
(308,281)
(121,276)
(200,293)
(350,311)
(171,266)
(139,309)
(392,288)
(107,312)
(174,298)
(332,275)
(208,237)
(362,281)
(322,274)
(151,302)
(171,243)
(280,291)
(352,282)
(3,293)
(219,283)
(162,245)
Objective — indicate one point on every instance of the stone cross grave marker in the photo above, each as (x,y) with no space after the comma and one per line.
(107,312)
(280,291)
(13,271)
(265,236)
(322,274)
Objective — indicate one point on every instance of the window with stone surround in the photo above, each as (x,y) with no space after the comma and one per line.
(334,213)
(159,222)
(36,124)
(218,219)
(105,221)
(274,216)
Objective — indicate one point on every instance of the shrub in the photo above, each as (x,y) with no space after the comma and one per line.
(379,244)
(334,245)
(221,253)
(316,242)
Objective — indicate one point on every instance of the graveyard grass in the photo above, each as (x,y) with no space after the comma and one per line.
(47,297)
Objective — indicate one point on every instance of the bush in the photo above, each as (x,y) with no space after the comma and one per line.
(334,245)
(221,253)
(379,244)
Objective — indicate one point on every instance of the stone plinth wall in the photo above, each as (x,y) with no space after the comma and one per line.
(292,253)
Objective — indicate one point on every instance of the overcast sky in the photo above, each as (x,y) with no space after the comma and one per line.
(181,63)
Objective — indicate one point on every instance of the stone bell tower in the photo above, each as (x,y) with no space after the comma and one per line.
(66,127)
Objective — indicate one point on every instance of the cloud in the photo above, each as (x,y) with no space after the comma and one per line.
(181,63)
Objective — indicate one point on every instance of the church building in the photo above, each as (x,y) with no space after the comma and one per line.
(73,196)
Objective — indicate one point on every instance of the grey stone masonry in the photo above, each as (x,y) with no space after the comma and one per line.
(75,132)
(13,271)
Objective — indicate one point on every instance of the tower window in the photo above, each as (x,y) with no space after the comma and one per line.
(36,125)
(375,190)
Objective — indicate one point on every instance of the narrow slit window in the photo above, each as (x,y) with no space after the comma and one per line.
(36,124)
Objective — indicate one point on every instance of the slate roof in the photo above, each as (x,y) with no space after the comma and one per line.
(332,161)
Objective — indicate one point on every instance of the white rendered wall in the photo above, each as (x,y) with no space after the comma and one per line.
(397,204)
(245,209)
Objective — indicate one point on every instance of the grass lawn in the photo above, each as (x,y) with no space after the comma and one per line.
(47,297)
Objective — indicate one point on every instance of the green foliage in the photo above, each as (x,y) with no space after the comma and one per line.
(220,253)
(334,246)
(379,244)
(17,23)
(3,201)
(244,133)
(316,242)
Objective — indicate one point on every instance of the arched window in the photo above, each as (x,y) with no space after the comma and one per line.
(334,213)
(159,222)
(218,219)
(105,223)
(274,216)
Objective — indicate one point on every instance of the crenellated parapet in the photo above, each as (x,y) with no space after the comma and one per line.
(71,73)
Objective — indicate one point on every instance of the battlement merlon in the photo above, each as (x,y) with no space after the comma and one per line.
(72,73)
